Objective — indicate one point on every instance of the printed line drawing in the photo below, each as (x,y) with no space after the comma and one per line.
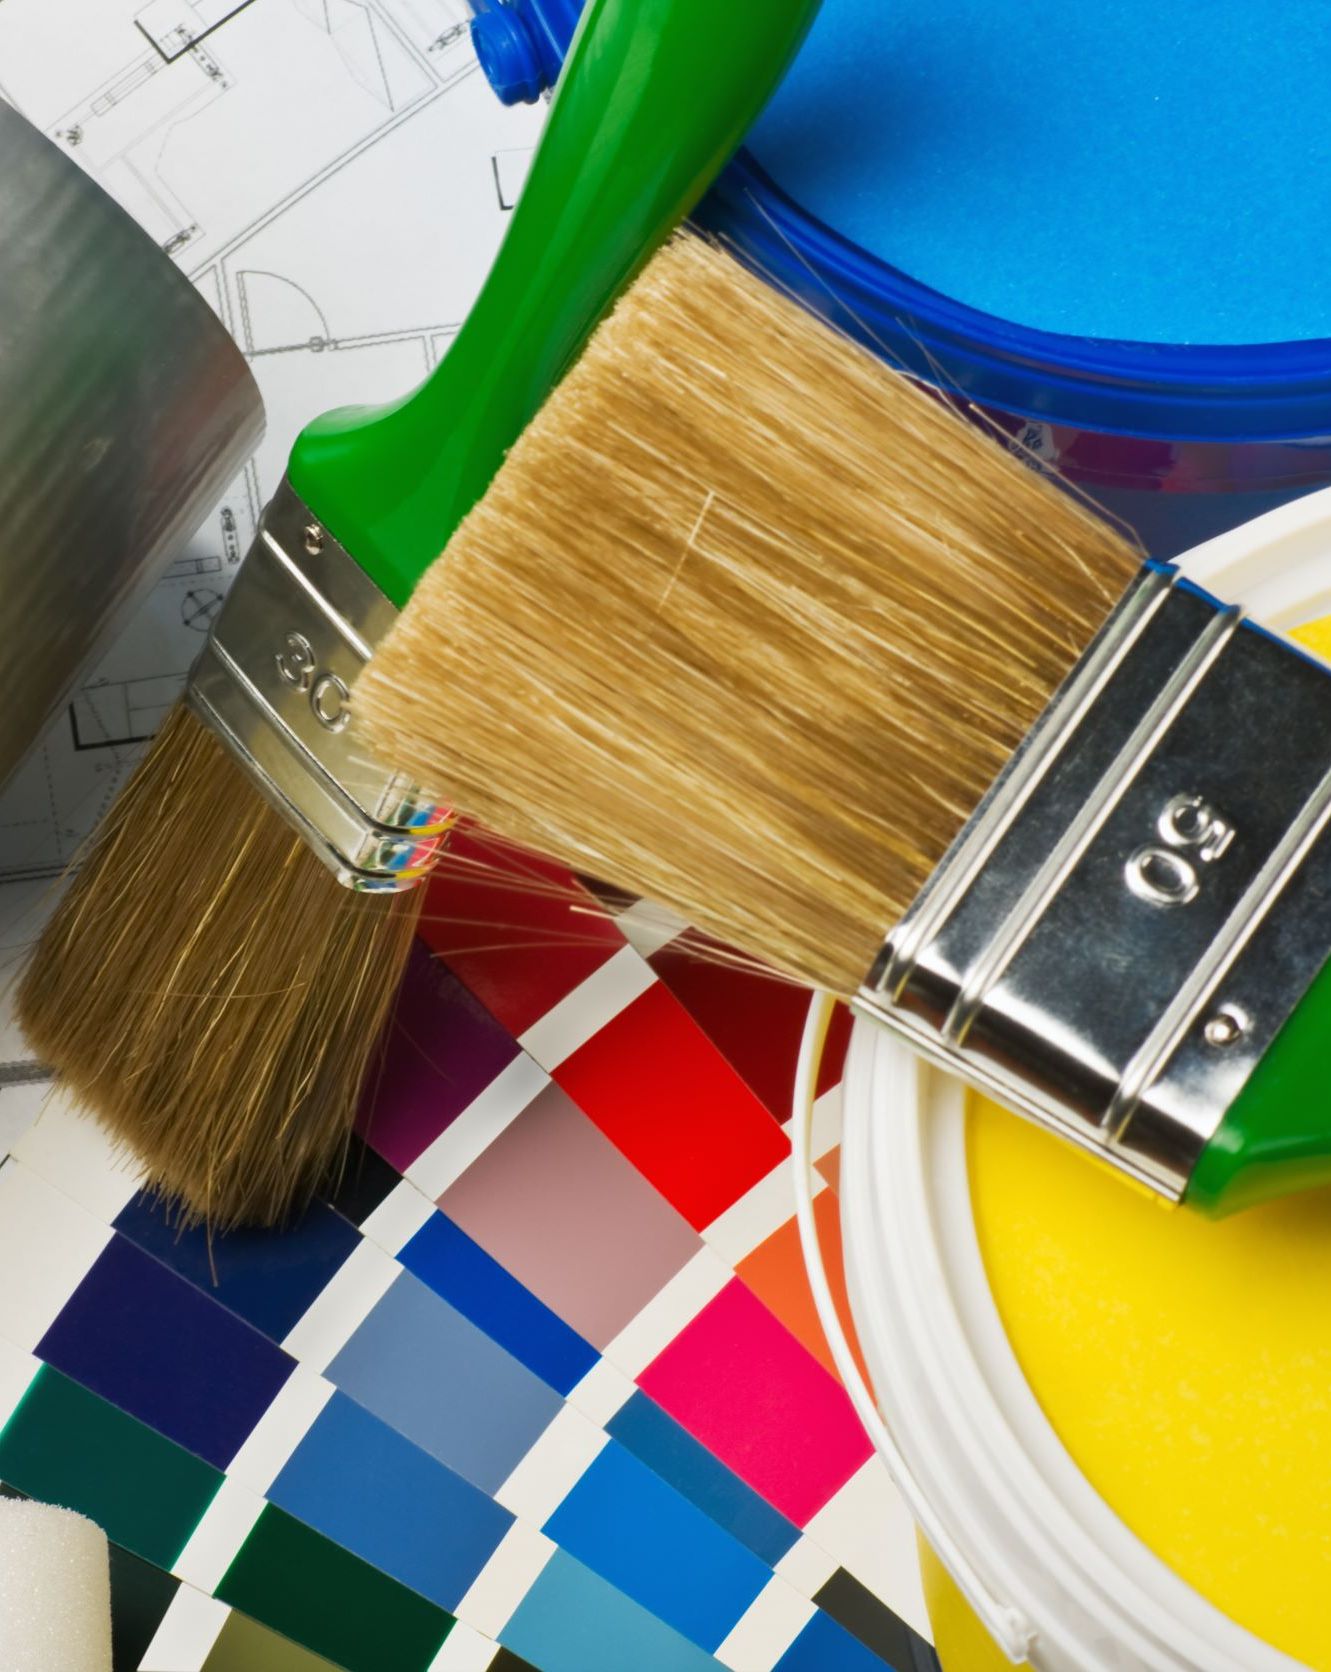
(174,26)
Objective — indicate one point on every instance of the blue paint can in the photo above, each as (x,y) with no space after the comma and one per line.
(878,121)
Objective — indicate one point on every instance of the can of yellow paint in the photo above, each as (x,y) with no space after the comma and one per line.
(1112,1420)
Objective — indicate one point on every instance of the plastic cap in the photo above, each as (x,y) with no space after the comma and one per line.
(508,55)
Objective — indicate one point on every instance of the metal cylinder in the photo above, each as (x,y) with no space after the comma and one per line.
(125,410)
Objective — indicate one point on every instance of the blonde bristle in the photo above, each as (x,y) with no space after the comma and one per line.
(209,990)
(747,623)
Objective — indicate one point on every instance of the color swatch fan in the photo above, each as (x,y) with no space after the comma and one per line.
(541,1385)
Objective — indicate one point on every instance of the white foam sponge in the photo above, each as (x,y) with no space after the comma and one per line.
(55,1590)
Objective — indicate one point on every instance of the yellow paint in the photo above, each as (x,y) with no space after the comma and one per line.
(1185,1364)
(962,1642)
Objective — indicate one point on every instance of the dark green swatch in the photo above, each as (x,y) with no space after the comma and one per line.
(67,1446)
(140,1596)
(309,1589)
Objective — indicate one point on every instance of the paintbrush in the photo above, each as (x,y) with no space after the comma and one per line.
(842,679)
(206,986)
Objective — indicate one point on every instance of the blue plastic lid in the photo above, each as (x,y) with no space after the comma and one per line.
(1247,393)
(520,44)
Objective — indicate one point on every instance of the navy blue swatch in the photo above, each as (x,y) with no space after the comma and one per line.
(444,1256)
(356,1481)
(625,1523)
(150,1343)
(663,1445)
(269,1278)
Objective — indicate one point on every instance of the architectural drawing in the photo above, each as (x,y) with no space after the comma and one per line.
(334,176)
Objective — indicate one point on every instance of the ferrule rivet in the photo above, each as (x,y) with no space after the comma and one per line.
(1226,1026)
(313,538)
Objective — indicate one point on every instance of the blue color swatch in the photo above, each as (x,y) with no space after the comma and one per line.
(663,1445)
(824,1646)
(442,1255)
(427,1371)
(268,1278)
(146,1340)
(362,1485)
(1109,170)
(623,1521)
(573,1621)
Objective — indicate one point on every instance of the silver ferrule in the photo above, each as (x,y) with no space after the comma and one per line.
(275,683)
(1143,897)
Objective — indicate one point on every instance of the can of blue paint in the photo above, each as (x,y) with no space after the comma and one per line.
(1160,395)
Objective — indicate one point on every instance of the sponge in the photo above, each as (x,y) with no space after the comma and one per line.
(55,1590)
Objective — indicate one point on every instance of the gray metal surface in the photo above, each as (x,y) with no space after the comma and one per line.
(275,683)
(125,409)
(1141,901)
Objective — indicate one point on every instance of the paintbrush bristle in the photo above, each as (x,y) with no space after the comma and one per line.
(208,989)
(747,623)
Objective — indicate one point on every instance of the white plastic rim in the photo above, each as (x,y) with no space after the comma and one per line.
(1058,1579)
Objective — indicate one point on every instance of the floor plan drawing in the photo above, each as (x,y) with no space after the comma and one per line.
(368,173)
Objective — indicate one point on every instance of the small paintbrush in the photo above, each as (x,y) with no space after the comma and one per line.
(206,987)
(839,678)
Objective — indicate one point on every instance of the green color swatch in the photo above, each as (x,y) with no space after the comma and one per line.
(309,1589)
(66,1446)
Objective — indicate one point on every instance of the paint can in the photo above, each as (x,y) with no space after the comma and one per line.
(125,410)
(1180,442)
(1108,1417)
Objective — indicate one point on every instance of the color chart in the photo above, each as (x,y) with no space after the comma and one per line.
(539,1386)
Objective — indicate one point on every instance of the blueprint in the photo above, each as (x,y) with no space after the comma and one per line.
(335,177)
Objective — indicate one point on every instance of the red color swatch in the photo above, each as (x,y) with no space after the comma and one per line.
(662,1092)
(520,932)
(743,1386)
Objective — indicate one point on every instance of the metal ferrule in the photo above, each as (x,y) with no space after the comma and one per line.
(1144,895)
(275,683)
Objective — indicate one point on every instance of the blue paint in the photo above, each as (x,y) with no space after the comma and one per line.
(428,1372)
(663,1445)
(571,1620)
(825,1646)
(269,1278)
(147,1341)
(442,1255)
(362,1485)
(1118,170)
(621,1520)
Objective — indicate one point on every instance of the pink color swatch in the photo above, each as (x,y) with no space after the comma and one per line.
(557,1204)
(756,1397)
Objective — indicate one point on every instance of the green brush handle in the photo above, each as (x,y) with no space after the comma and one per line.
(654,97)
(1275,1137)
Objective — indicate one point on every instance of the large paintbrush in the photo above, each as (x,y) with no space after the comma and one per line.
(837,677)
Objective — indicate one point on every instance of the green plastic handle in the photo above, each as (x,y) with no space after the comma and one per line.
(654,97)
(1275,1137)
